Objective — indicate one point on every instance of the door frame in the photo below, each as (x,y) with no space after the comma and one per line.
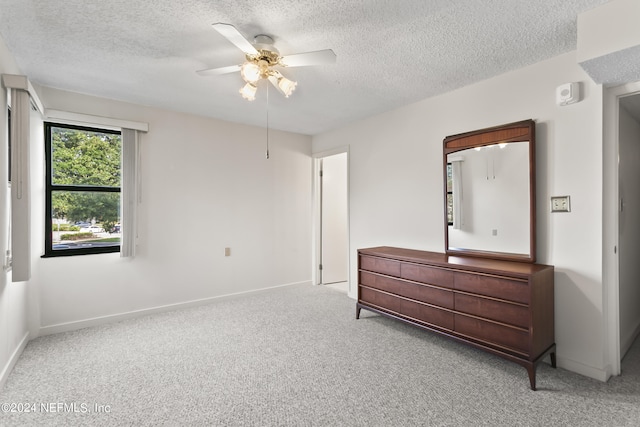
(610,223)
(317,210)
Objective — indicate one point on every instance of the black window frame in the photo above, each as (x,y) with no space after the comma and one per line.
(49,252)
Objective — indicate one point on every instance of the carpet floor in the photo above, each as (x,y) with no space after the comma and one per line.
(294,356)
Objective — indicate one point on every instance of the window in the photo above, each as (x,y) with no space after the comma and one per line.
(83,179)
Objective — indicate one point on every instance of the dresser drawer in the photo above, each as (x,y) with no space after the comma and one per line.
(512,290)
(490,332)
(500,311)
(424,313)
(425,274)
(380,265)
(380,299)
(423,293)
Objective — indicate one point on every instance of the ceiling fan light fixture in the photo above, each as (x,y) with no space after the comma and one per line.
(286,86)
(248,91)
(250,72)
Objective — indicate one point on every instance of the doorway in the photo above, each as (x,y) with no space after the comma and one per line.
(628,224)
(332,235)
(621,233)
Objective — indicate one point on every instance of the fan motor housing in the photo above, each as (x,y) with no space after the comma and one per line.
(269,56)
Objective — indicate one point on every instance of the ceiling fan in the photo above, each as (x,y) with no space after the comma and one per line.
(262,58)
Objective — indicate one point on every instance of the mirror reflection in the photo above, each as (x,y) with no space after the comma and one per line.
(488,198)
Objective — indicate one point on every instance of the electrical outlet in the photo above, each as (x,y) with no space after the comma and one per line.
(227,251)
(560,204)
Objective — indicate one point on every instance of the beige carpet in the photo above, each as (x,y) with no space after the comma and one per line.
(295,356)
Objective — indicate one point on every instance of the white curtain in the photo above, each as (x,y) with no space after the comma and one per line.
(20,186)
(458,196)
(131,195)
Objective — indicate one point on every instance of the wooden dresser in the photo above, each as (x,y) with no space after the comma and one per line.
(503,307)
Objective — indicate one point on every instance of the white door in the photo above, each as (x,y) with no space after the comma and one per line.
(333,219)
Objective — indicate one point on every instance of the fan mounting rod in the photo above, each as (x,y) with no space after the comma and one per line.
(263,39)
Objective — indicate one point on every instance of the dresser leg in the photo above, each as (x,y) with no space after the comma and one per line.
(357,312)
(532,376)
(553,359)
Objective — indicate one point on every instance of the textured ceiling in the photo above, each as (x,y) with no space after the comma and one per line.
(390,53)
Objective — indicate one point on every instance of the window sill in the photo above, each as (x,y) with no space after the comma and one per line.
(82,251)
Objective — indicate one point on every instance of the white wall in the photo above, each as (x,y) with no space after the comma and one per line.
(629,191)
(396,188)
(609,42)
(14,297)
(206,185)
(619,18)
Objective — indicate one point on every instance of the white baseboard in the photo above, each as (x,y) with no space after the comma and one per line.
(101,320)
(12,360)
(579,368)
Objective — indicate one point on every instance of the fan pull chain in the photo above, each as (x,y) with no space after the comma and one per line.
(267,120)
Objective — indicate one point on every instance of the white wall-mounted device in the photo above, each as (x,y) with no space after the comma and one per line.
(568,93)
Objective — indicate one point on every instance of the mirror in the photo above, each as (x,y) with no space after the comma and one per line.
(490,192)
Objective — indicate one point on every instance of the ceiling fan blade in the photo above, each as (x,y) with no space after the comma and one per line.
(233,35)
(218,71)
(319,57)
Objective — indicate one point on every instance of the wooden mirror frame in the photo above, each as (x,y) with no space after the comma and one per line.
(512,132)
